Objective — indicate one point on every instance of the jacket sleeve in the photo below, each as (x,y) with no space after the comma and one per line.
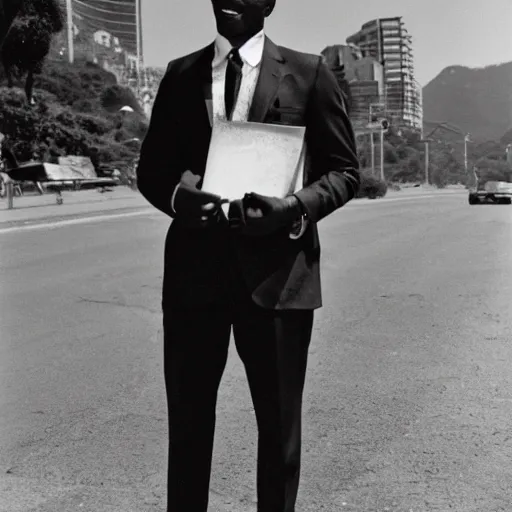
(160,165)
(330,140)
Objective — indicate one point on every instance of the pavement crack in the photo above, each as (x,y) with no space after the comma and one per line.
(119,304)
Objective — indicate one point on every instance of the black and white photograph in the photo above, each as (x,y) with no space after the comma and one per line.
(255,256)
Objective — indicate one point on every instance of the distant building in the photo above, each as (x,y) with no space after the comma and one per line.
(387,41)
(106,39)
(342,55)
(364,77)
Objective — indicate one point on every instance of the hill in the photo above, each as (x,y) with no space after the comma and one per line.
(76,113)
(479,101)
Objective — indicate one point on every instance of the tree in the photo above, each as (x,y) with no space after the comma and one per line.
(8,11)
(28,42)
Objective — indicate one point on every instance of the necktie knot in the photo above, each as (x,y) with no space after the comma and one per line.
(234,57)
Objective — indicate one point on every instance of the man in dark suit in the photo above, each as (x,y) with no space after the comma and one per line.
(244,271)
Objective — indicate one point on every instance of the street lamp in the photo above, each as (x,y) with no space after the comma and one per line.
(466,140)
(382,125)
(427,163)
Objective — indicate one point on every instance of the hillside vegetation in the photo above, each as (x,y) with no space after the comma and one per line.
(76,113)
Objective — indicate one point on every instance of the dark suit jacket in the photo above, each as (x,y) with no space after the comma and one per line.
(294,88)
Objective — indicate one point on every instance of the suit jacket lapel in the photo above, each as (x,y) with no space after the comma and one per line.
(201,78)
(271,74)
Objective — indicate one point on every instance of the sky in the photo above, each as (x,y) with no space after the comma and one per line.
(472,33)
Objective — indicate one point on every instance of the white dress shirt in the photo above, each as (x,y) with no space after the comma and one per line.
(251,54)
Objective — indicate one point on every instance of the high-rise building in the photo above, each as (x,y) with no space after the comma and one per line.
(364,79)
(387,41)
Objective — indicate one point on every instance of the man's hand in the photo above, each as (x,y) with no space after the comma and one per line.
(258,215)
(195,208)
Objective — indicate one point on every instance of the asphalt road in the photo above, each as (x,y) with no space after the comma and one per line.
(408,405)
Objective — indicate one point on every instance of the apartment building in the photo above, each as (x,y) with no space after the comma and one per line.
(387,41)
(364,76)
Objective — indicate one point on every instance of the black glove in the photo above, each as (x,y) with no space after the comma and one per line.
(258,215)
(236,215)
(194,208)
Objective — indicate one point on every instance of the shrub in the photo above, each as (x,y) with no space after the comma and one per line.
(68,118)
(371,187)
(115,97)
(93,124)
(72,83)
(86,106)
(33,130)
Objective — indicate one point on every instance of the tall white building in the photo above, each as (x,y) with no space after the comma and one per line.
(387,41)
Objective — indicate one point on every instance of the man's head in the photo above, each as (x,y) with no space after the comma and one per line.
(239,20)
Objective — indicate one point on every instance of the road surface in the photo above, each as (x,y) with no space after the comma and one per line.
(408,403)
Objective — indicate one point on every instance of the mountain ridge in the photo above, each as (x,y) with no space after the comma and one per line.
(477,100)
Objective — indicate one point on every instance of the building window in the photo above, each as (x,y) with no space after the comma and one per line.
(390,24)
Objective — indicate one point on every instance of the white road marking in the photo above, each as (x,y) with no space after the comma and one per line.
(71,222)
(385,200)
(88,220)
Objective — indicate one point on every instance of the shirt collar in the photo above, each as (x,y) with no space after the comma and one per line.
(251,52)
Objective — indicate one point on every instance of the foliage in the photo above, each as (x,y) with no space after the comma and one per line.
(8,11)
(29,40)
(115,97)
(404,158)
(371,186)
(75,83)
(49,129)
(69,119)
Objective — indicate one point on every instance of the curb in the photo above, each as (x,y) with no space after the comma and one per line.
(75,218)
(76,207)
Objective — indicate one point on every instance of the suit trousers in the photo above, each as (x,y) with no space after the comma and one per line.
(273,346)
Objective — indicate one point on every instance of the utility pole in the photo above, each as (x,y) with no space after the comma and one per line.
(466,140)
(372,124)
(372,145)
(427,163)
(71,44)
(427,142)
(139,40)
(382,154)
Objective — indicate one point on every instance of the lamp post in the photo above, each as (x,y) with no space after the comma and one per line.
(70,27)
(138,21)
(377,125)
(466,140)
(382,153)
(427,158)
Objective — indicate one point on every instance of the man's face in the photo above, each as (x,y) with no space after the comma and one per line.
(241,19)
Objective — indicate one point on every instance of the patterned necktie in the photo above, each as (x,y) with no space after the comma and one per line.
(233,81)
